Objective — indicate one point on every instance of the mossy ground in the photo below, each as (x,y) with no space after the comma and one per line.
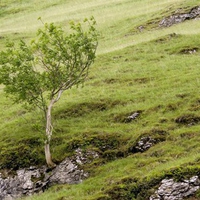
(154,72)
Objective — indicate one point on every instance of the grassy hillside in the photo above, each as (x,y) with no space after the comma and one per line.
(154,72)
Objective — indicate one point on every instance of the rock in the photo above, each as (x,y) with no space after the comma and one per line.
(34,180)
(144,144)
(66,172)
(171,190)
(141,28)
(132,117)
(22,183)
(178,18)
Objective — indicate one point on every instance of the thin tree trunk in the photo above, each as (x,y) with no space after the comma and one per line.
(49,131)
(49,161)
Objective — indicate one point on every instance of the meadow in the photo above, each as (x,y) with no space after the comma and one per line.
(154,72)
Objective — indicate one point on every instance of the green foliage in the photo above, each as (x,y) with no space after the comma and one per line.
(53,62)
(65,59)
(17,73)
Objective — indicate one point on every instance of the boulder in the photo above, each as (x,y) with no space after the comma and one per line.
(144,144)
(35,180)
(194,13)
(171,190)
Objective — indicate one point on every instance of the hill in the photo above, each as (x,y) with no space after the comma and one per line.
(139,108)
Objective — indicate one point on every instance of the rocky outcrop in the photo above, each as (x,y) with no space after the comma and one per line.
(144,144)
(171,190)
(25,182)
(35,180)
(194,13)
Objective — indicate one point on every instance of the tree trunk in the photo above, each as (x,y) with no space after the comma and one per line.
(49,161)
(49,131)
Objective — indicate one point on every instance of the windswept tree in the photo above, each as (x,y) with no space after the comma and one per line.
(38,73)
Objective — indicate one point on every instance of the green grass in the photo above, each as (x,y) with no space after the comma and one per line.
(150,71)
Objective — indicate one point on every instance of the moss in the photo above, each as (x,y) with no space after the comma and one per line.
(23,153)
(114,154)
(183,172)
(21,156)
(101,141)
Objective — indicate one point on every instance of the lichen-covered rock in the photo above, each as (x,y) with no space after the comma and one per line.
(25,182)
(171,190)
(35,180)
(144,144)
(178,18)
(66,172)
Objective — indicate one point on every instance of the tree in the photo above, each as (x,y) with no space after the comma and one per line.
(38,73)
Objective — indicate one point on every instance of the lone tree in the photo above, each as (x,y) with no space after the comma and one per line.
(38,73)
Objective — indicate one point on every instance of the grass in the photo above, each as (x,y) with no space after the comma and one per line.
(151,71)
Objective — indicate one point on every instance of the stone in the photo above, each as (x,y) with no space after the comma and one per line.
(171,190)
(66,172)
(132,117)
(144,144)
(178,18)
(34,180)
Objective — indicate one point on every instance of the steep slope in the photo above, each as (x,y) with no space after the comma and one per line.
(139,108)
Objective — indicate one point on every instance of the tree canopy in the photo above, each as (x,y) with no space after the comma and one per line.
(39,72)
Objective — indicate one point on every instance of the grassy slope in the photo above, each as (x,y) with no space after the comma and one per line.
(133,71)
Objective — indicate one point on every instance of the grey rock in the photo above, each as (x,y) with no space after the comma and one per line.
(34,180)
(144,144)
(66,172)
(194,13)
(171,190)
(133,116)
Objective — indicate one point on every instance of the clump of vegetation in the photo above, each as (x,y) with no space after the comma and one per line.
(39,73)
